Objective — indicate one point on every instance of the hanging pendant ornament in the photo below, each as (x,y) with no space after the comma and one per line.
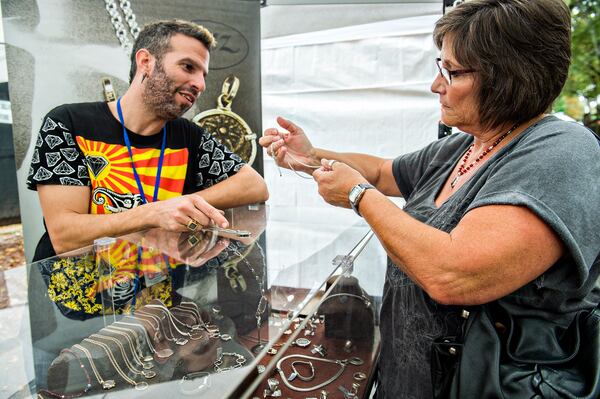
(114,10)
(227,126)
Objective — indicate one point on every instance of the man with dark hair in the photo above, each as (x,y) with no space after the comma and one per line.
(108,169)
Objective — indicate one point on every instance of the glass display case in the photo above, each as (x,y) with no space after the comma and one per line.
(210,313)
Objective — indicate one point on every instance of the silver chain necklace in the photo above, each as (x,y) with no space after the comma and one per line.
(114,10)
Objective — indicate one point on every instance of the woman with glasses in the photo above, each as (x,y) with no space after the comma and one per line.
(500,233)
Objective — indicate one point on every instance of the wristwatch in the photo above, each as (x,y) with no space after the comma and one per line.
(356,194)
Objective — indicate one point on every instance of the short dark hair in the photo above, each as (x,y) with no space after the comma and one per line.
(521,50)
(155,37)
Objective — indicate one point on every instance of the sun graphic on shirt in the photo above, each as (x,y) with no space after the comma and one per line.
(109,166)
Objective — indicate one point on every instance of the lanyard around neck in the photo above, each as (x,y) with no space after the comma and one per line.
(160,159)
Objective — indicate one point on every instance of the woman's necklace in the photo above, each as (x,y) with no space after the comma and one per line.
(462,169)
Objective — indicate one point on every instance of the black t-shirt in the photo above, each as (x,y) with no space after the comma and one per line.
(82,144)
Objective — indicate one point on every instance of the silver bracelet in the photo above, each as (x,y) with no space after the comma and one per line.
(341,363)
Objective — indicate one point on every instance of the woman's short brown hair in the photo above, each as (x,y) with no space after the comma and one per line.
(521,50)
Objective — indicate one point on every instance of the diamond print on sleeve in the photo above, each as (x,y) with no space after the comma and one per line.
(209,145)
(204,161)
(68,181)
(227,165)
(42,174)
(221,178)
(52,158)
(218,154)
(56,158)
(70,153)
(63,169)
(53,141)
(36,156)
(215,168)
(49,124)
(82,172)
(68,137)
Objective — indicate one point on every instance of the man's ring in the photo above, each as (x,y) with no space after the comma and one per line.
(192,225)
(330,163)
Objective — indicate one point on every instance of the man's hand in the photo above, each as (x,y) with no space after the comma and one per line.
(290,147)
(335,180)
(175,214)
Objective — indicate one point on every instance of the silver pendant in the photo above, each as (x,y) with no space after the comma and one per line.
(149,374)
(164,353)
(181,341)
(454,181)
(147,359)
(140,386)
(108,384)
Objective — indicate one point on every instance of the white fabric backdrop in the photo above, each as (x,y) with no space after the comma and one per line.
(360,86)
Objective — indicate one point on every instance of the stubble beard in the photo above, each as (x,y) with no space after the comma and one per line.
(159,95)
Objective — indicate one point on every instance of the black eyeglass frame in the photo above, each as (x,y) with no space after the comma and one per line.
(449,73)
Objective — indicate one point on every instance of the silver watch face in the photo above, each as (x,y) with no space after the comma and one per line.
(354,193)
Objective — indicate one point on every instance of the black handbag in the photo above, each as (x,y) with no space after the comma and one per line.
(483,361)
(349,311)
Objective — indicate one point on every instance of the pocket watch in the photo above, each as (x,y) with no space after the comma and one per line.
(227,126)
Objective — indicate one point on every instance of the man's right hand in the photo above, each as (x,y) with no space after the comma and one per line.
(176,213)
(290,148)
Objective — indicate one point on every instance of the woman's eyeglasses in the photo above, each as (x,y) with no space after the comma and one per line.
(448,74)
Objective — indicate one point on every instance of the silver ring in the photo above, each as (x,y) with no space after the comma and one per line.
(331,162)
(360,376)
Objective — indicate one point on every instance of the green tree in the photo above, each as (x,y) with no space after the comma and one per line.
(580,98)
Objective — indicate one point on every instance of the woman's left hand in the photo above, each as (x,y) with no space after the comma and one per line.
(335,180)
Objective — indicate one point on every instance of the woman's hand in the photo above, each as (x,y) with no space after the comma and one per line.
(335,180)
(290,148)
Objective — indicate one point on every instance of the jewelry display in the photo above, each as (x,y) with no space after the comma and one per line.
(296,373)
(117,21)
(105,384)
(142,317)
(172,322)
(172,338)
(199,381)
(163,353)
(356,361)
(301,342)
(108,90)
(341,363)
(144,361)
(239,362)
(320,349)
(88,386)
(144,372)
(360,376)
(140,386)
(227,126)
(348,394)
(273,388)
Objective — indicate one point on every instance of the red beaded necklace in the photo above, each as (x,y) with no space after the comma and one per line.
(462,169)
